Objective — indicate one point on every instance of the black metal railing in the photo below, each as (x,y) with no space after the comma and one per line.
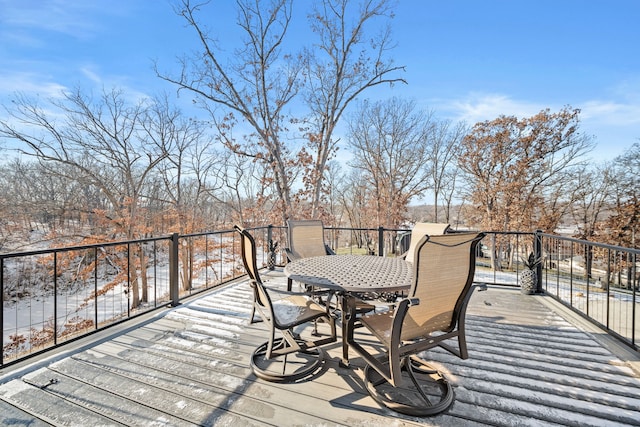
(54,296)
(600,282)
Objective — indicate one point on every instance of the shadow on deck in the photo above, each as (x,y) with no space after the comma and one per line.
(528,365)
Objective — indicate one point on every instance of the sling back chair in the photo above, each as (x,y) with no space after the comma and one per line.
(306,239)
(421,229)
(434,311)
(290,357)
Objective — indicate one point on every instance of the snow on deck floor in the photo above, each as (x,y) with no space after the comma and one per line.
(528,366)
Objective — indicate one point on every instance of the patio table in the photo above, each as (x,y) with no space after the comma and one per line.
(349,275)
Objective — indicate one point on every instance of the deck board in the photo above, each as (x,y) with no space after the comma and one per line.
(528,365)
(12,416)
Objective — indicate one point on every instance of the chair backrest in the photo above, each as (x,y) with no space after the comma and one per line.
(306,238)
(420,230)
(249,259)
(248,252)
(443,270)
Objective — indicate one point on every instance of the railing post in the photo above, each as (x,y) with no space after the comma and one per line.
(55,299)
(537,248)
(1,312)
(380,241)
(174,286)
(494,252)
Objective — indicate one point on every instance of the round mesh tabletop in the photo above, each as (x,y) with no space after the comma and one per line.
(352,273)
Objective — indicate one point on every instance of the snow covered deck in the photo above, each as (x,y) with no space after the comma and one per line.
(530,363)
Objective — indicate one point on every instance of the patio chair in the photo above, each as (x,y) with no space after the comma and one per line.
(396,376)
(421,229)
(290,357)
(306,239)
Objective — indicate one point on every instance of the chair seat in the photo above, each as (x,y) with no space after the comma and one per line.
(380,325)
(294,309)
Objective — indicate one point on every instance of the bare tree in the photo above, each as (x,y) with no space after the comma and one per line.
(184,141)
(44,200)
(256,84)
(345,62)
(334,176)
(165,127)
(94,142)
(390,144)
(240,187)
(624,223)
(356,200)
(590,198)
(445,140)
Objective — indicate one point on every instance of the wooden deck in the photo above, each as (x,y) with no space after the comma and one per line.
(528,366)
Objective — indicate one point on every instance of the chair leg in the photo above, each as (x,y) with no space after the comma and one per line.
(253,313)
(290,357)
(424,390)
(462,345)
(286,363)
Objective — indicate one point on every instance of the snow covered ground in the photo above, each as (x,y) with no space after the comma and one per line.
(33,313)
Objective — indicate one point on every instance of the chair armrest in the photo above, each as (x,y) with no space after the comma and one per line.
(329,250)
(290,255)
(280,293)
(481,287)
(398,318)
(402,306)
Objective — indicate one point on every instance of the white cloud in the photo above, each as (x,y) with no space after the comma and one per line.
(628,89)
(611,113)
(45,86)
(91,75)
(477,107)
(30,83)
(61,16)
(612,122)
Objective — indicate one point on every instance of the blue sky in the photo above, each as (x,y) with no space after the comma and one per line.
(468,60)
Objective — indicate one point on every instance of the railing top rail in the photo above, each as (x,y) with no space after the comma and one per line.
(511,233)
(587,242)
(209,233)
(365,229)
(168,237)
(81,247)
(231,230)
